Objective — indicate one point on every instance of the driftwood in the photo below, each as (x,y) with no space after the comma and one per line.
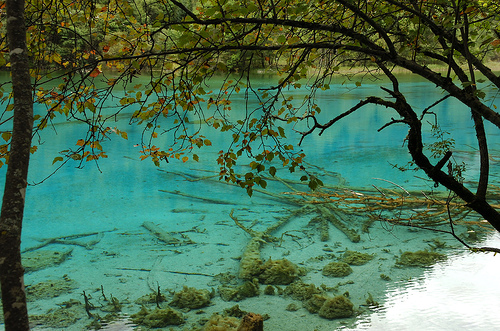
(161,234)
(285,219)
(207,200)
(214,178)
(70,240)
(333,215)
(251,261)
(169,271)
(339,205)
(336,218)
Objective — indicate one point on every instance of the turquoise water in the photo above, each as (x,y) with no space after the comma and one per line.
(116,197)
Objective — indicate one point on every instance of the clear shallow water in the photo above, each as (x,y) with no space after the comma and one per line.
(125,192)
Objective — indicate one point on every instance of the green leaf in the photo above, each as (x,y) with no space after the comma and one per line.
(313,185)
(272,171)
(480,94)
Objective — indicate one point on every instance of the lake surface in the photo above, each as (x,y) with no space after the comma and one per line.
(97,215)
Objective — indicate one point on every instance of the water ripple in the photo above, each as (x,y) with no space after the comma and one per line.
(459,294)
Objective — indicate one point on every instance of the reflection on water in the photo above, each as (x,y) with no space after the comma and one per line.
(460,294)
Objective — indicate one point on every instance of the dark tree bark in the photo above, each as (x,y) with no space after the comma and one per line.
(11,270)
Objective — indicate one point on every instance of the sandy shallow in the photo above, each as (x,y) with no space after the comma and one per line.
(129,262)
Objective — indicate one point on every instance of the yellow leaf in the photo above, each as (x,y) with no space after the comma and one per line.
(185,158)
(96,144)
(57,58)
(56,159)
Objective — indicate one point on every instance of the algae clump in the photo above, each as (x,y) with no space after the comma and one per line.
(62,317)
(50,289)
(192,298)
(157,318)
(41,259)
(302,291)
(356,258)
(420,258)
(336,307)
(336,269)
(328,307)
(278,272)
(246,290)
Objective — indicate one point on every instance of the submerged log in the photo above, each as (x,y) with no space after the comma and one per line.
(160,233)
(251,262)
(332,218)
(207,200)
(70,240)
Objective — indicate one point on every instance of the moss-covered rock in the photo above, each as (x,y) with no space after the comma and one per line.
(420,258)
(269,290)
(236,293)
(336,307)
(336,269)
(278,272)
(192,298)
(356,258)
(157,318)
(301,291)
(150,298)
(314,304)
(328,307)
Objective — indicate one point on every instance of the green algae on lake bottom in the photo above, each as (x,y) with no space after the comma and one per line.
(420,258)
(356,258)
(336,269)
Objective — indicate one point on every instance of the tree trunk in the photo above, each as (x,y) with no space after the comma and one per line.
(11,269)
